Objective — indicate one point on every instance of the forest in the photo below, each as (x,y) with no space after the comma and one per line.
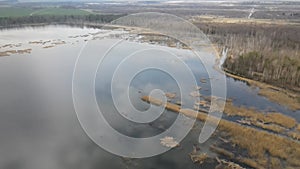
(56,19)
(263,52)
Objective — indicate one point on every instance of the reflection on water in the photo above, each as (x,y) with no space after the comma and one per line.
(38,124)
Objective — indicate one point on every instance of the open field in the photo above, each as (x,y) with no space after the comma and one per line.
(15,12)
(60,11)
(224,20)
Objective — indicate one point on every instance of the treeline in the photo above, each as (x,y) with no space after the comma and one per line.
(283,71)
(266,52)
(49,19)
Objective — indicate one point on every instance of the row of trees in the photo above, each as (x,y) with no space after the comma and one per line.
(49,19)
(282,71)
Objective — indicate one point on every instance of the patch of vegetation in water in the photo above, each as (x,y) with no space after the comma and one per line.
(264,149)
(281,96)
(254,115)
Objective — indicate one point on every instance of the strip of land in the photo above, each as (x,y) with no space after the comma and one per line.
(276,94)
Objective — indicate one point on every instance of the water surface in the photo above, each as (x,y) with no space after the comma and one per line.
(39,127)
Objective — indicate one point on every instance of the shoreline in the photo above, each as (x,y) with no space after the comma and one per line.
(79,25)
(284,97)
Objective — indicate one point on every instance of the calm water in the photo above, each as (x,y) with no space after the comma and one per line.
(39,128)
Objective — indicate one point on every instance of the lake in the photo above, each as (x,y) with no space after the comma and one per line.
(38,123)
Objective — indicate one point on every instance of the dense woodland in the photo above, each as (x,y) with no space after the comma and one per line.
(264,52)
(56,19)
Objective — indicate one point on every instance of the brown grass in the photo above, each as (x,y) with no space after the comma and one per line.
(223,164)
(156,37)
(258,143)
(198,158)
(50,46)
(249,162)
(230,155)
(275,163)
(275,94)
(4,53)
(294,135)
(254,115)
(298,127)
(271,127)
(9,52)
(280,98)
(58,43)
(218,19)
(222,151)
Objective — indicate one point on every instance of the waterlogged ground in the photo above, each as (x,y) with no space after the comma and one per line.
(39,127)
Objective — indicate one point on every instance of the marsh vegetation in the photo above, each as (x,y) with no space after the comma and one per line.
(263,148)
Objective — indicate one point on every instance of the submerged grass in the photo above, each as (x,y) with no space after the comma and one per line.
(275,94)
(275,118)
(11,52)
(281,98)
(222,151)
(260,145)
(271,127)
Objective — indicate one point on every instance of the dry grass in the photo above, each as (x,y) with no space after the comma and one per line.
(218,19)
(198,158)
(271,127)
(254,115)
(298,127)
(223,164)
(4,53)
(258,143)
(222,151)
(275,94)
(230,155)
(50,46)
(280,98)
(58,42)
(9,52)
(156,37)
(275,163)
(294,135)
(170,95)
(249,162)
